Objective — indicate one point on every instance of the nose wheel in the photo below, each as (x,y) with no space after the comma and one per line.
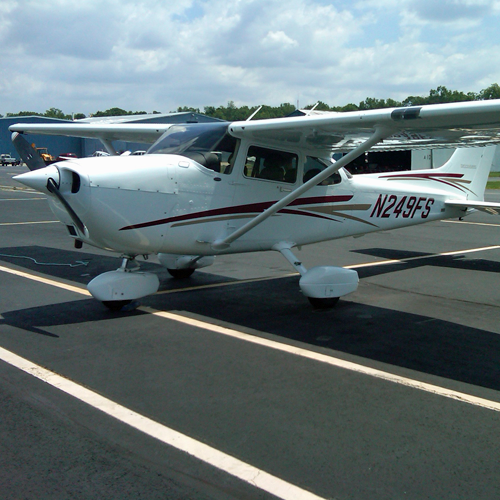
(323,303)
(116,305)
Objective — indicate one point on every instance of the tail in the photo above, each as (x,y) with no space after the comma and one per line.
(27,152)
(471,168)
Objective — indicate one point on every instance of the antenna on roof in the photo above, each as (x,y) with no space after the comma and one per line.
(307,112)
(253,114)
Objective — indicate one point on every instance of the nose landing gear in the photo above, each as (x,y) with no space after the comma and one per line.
(116,289)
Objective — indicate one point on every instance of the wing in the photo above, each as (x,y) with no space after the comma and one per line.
(146,133)
(435,126)
(475,123)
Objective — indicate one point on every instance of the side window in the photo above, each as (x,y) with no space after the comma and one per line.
(313,166)
(272,165)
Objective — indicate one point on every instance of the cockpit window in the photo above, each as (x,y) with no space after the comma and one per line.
(194,137)
(200,142)
(313,166)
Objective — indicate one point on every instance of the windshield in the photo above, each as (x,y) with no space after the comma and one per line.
(190,137)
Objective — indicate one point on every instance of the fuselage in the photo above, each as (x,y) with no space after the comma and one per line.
(170,203)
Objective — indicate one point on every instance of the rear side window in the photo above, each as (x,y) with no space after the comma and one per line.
(313,166)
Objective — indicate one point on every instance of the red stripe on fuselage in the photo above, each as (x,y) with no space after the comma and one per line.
(240,209)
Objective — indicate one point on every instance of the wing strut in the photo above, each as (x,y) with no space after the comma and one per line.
(108,145)
(379,135)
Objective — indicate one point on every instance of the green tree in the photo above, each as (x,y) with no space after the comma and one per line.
(187,109)
(24,113)
(347,107)
(111,112)
(56,113)
(491,92)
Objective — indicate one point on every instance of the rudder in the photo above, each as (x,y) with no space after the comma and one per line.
(474,165)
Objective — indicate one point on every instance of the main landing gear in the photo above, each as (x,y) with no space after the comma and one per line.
(183,266)
(322,285)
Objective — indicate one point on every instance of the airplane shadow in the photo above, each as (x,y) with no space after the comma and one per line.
(82,267)
(412,341)
(422,259)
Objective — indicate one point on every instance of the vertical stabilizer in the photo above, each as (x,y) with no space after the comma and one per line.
(27,152)
(474,165)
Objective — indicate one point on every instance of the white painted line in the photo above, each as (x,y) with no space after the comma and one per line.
(330,360)
(241,470)
(28,223)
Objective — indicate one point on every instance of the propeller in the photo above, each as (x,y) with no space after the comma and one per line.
(53,188)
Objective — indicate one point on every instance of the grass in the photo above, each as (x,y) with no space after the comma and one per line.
(493,185)
(494,174)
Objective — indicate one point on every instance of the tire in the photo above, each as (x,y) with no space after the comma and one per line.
(328,303)
(180,273)
(116,305)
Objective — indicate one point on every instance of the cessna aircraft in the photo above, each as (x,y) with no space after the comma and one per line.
(208,189)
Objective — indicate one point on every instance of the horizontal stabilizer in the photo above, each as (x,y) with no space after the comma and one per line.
(485,206)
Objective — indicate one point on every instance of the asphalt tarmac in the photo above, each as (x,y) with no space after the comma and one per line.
(228,385)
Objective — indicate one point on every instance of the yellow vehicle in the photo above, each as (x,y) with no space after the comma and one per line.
(44,154)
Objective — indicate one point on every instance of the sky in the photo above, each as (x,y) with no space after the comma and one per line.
(156,55)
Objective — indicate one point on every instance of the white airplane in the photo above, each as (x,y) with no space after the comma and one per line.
(208,189)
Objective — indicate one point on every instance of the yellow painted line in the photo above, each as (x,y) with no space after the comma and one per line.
(422,257)
(226,283)
(471,223)
(28,223)
(46,281)
(227,463)
(353,266)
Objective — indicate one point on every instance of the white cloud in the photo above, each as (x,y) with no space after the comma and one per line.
(147,55)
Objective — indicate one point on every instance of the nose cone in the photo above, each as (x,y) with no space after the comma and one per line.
(37,179)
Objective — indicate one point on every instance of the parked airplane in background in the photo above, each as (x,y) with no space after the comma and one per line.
(208,189)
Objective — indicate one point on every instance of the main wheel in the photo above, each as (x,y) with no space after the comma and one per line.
(323,303)
(180,273)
